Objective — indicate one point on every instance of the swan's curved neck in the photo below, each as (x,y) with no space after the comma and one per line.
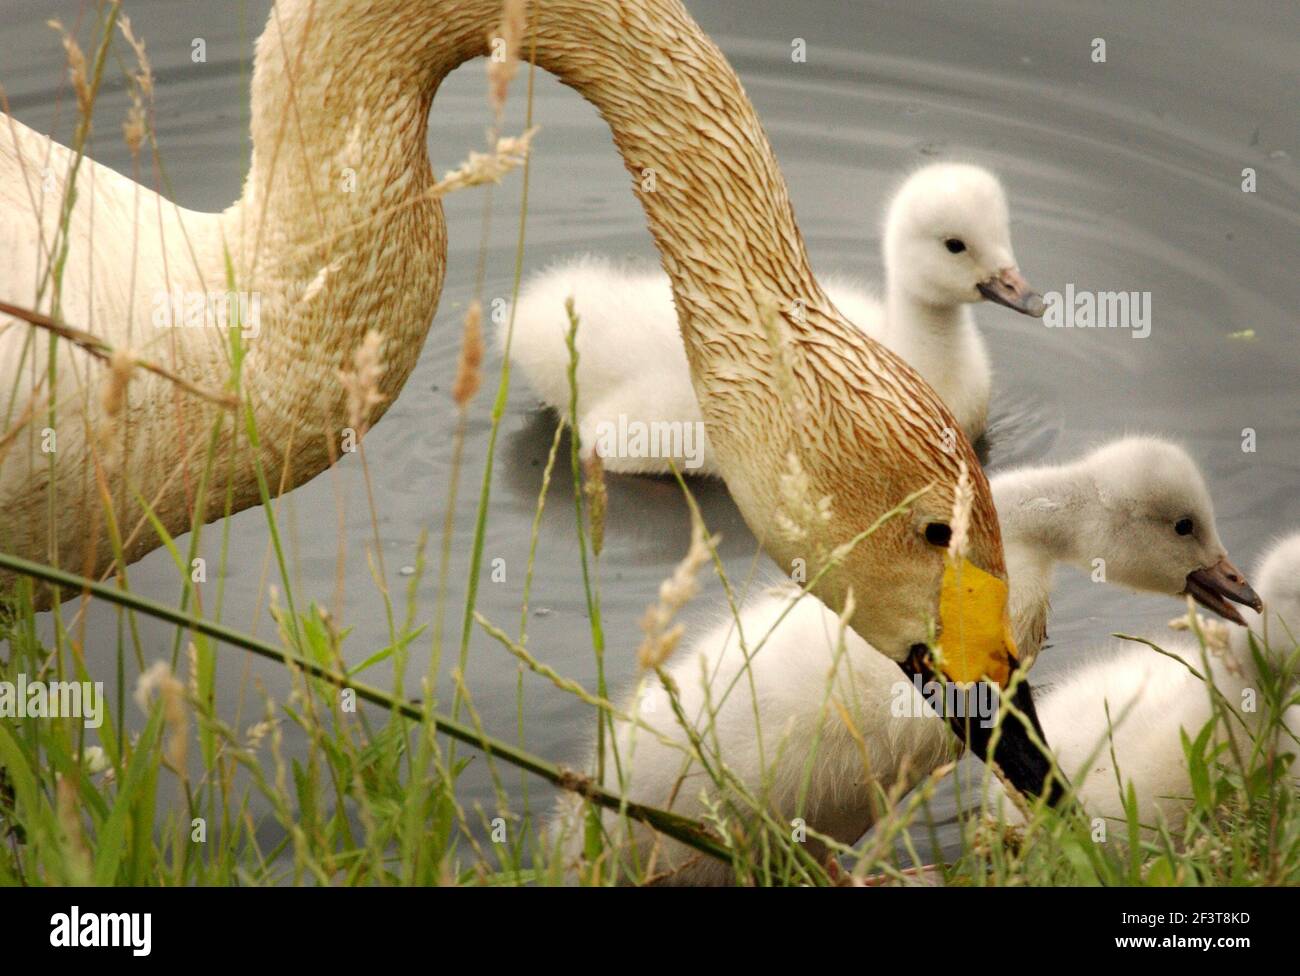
(700,163)
(340,99)
(720,214)
(340,104)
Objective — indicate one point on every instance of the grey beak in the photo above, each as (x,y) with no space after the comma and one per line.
(1213,586)
(1008,288)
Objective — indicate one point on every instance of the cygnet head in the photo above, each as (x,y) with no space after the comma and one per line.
(948,241)
(1154,525)
(1278,577)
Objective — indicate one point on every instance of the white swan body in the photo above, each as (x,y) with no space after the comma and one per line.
(632,367)
(314,270)
(1119,503)
(1153,700)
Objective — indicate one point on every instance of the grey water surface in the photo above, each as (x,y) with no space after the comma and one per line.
(1123,175)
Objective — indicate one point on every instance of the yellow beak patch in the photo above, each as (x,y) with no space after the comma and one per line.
(975,636)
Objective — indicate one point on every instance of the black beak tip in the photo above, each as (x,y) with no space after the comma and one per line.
(1028,768)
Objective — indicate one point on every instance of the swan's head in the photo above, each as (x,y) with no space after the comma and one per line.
(902,584)
(1278,578)
(948,241)
(951,564)
(1153,526)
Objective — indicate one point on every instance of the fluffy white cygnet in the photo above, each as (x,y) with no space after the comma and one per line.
(1154,700)
(1126,503)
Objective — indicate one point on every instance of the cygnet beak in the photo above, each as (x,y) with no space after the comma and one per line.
(1008,288)
(1213,586)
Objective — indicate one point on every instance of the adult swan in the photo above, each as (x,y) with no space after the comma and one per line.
(817,429)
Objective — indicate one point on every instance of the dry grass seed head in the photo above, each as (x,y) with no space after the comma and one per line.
(509,153)
(120,365)
(469,370)
(593,486)
(362,382)
(135,127)
(802,517)
(143,77)
(1216,632)
(158,679)
(256,733)
(76,66)
(503,64)
(661,633)
(963,500)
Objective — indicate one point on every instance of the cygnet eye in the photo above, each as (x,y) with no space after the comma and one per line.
(938,534)
(1184,526)
(955,245)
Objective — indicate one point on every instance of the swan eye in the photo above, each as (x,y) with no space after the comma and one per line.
(938,534)
(1183,526)
(954,245)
